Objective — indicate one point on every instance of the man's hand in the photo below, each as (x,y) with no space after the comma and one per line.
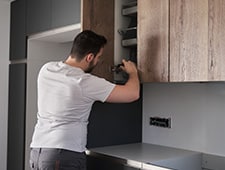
(129,67)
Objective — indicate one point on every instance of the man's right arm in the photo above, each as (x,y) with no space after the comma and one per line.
(131,90)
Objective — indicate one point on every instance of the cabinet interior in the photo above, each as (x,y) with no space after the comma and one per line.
(125,41)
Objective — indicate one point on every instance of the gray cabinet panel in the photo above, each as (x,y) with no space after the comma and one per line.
(43,15)
(18,30)
(102,162)
(38,16)
(114,124)
(16,116)
(65,12)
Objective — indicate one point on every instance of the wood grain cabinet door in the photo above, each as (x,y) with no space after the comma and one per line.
(188,40)
(153,27)
(181,40)
(98,16)
(216,40)
(197,40)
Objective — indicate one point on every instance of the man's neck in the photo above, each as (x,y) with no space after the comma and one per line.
(74,63)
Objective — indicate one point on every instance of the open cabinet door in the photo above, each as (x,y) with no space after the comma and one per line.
(98,16)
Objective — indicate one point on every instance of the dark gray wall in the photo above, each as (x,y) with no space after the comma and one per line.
(114,124)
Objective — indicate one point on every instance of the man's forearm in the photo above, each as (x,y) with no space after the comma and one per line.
(133,84)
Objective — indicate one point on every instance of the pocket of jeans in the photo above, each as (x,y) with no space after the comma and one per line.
(51,165)
(69,165)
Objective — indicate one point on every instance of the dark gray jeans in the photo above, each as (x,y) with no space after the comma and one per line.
(56,159)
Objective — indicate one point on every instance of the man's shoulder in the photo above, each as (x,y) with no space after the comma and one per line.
(51,64)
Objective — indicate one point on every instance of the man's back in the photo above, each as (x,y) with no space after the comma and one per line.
(65,98)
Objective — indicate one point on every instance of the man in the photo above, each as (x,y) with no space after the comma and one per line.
(66,92)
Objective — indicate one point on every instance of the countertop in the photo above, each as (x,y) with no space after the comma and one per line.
(153,154)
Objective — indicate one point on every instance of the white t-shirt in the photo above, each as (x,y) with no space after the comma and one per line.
(65,98)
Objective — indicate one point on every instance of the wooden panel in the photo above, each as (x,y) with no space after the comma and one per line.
(153,40)
(216,40)
(188,40)
(98,15)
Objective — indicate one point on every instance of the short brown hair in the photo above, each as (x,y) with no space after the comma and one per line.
(87,42)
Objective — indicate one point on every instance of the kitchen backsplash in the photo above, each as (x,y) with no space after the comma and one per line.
(197,112)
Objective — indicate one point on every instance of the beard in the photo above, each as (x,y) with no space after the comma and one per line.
(90,67)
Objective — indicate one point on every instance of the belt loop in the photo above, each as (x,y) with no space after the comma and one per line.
(57,164)
(39,150)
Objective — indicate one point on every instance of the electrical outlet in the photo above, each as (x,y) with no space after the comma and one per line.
(160,122)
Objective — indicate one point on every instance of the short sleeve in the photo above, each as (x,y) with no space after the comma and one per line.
(95,88)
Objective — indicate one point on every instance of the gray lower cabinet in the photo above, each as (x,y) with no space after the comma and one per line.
(115,124)
(143,156)
(126,167)
(106,163)
(213,162)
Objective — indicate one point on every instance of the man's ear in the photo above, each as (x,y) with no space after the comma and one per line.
(89,57)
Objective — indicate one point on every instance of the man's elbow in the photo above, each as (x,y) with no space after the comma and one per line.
(135,96)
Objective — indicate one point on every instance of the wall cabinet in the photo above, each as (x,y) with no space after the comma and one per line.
(44,15)
(96,15)
(38,16)
(181,41)
(153,40)
(65,12)
(178,41)
(189,40)
(107,162)
(18,30)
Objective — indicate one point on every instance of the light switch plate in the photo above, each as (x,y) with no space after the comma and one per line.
(160,122)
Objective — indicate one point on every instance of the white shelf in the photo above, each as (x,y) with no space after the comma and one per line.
(58,35)
(129,42)
(130,11)
(130,8)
